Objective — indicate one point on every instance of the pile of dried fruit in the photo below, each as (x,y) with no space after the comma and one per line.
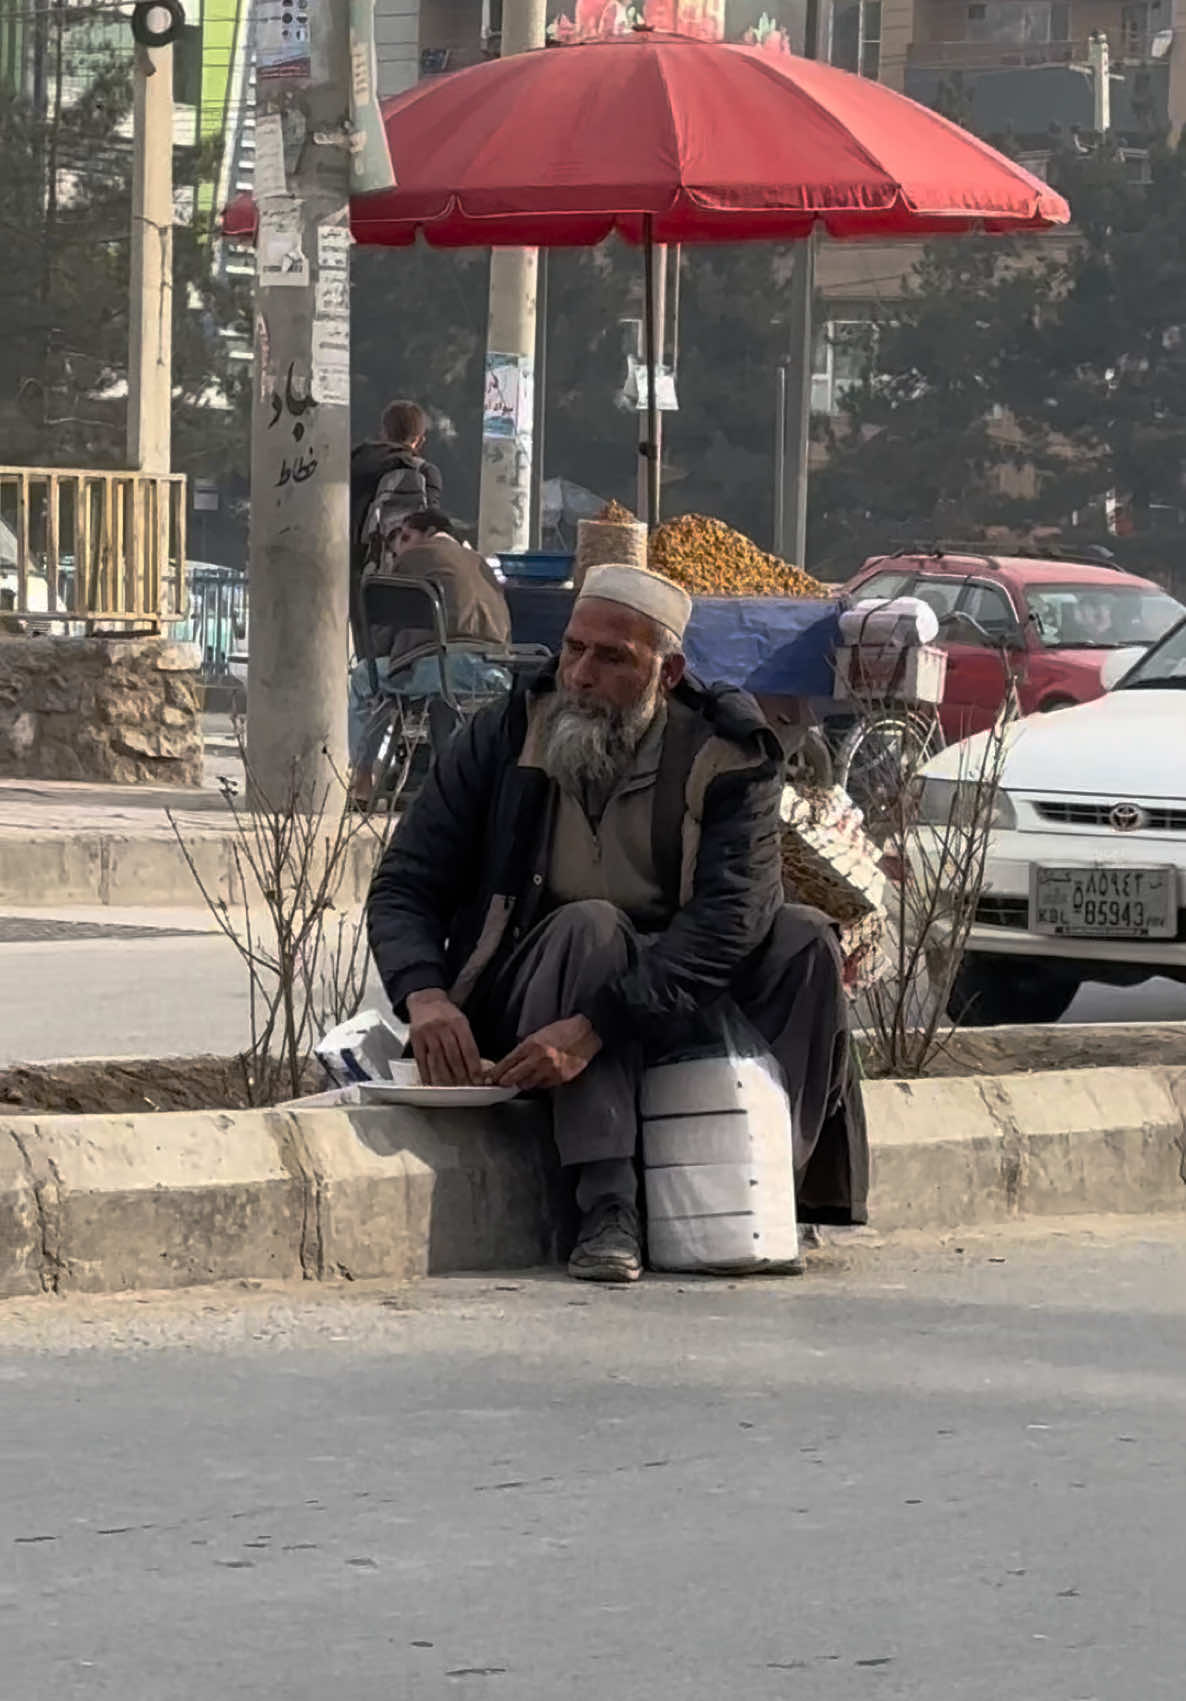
(709,558)
(617,514)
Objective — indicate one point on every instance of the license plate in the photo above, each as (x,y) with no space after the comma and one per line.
(1105,903)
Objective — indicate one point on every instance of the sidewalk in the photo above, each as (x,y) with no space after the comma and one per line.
(65,843)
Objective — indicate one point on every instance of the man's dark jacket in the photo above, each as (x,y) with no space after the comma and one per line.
(465,877)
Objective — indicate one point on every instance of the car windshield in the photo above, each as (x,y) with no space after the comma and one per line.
(1164,668)
(1100,617)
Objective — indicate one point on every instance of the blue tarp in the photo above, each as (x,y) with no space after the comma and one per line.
(775,645)
(768,644)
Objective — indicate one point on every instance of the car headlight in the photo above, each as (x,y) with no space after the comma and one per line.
(942,803)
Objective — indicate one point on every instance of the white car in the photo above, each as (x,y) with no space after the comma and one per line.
(1086,871)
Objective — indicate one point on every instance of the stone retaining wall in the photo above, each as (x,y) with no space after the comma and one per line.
(110,710)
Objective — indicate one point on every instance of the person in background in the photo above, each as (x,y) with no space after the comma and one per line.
(388,479)
(592,872)
(1093,617)
(423,547)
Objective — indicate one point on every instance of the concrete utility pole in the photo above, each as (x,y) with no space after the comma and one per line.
(150,317)
(792,543)
(300,429)
(504,507)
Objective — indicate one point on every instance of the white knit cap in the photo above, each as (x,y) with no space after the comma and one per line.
(660,599)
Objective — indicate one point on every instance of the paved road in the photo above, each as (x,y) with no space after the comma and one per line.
(940,1475)
(101,982)
(158,983)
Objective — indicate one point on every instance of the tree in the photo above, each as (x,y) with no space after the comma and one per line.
(1098,380)
(1022,384)
(65,214)
(920,447)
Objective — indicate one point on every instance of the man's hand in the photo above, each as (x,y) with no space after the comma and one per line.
(551,1057)
(443,1041)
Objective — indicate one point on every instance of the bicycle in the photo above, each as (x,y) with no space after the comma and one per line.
(894,737)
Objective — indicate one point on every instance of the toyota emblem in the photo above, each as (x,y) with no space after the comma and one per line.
(1126,818)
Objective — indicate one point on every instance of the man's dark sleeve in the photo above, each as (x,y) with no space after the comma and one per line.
(432,484)
(433,864)
(736,894)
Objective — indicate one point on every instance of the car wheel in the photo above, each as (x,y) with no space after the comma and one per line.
(990,991)
(1053,703)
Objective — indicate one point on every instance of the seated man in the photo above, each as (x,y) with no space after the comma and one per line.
(592,868)
(424,547)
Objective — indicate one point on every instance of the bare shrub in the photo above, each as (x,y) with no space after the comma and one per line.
(297,925)
(935,836)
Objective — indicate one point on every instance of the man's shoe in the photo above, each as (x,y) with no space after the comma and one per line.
(609,1246)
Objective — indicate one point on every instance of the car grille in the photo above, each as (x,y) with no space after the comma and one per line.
(1015,912)
(1158,819)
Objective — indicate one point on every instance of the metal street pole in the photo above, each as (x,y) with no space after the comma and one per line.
(650,419)
(504,503)
(780,456)
(150,315)
(540,424)
(300,426)
(792,544)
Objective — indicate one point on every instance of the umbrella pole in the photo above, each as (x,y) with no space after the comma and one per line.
(652,443)
(540,408)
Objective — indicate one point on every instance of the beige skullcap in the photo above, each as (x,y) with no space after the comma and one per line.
(660,599)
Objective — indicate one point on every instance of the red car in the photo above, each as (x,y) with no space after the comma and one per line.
(1058,619)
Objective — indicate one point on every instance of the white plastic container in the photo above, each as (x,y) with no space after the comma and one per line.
(716,1144)
(914,673)
(889,620)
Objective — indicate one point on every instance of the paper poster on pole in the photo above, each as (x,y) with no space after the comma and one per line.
(510,395)
(333,297)
(333,249)
(281,260)
(263,356)
(269,178)
(331,362)
(282,40)
(635,389)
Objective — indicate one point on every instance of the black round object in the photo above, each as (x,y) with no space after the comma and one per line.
(150,33)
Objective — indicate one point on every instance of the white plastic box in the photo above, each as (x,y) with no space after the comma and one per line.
(716,1144)
(915,673)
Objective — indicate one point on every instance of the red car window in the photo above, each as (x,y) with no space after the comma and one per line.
(939,594)
(989,606)
(882,585)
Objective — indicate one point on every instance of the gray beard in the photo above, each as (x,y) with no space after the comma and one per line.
(588,747)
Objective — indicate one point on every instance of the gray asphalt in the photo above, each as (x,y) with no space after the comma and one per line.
(947,1473)
(157,983)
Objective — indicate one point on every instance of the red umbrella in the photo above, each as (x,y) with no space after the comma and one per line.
(666,139)
(712,142)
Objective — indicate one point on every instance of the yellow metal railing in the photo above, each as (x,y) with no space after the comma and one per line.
(102,547)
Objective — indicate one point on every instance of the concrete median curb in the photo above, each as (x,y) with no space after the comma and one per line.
(955,1153)
(108,1203)
(137,871)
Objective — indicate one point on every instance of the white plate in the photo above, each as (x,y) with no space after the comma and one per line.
(406,1087)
